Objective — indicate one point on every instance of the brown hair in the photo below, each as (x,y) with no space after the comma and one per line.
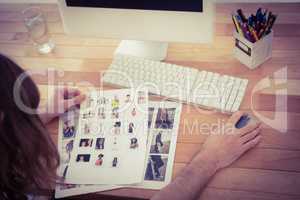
(28,156)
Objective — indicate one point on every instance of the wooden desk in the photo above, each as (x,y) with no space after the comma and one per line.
(270,171)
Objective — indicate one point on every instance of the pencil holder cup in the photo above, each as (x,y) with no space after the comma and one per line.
(253,54)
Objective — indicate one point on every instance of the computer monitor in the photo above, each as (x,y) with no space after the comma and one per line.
(146,25)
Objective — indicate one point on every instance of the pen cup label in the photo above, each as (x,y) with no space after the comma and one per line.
(243,47)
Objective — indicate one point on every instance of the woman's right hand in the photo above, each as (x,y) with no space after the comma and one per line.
(225,146)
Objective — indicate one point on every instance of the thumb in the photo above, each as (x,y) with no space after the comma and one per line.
(68,103)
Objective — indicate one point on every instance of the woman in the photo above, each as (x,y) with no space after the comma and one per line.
(29,157)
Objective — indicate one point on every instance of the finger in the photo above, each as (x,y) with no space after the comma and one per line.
(249,128)
(236,117)
(251,144)
(74,101)
(251,135)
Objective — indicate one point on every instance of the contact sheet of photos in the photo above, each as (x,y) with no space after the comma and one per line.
(68,126)
(163,126)
(111,143)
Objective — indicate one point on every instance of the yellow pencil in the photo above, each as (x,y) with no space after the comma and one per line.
(237,25)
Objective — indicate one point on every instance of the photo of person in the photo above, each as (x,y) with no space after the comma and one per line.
(133,112)
(117,128)
(101,112)
(102,101)
(115,103)
(69,148)
(156,168)
(100,143)
(134,143)
(130,127)
(141,97)
(86,127)
(86,143)
(115,162)
(165,118)
(127,100)
(83,158)
(115,113)
(69,129)
(88,114)
(161,142)
(99,160)
(150,117)
(89,102)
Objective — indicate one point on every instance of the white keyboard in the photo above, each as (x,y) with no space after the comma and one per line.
(206,89)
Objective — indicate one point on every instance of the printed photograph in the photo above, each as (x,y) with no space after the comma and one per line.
(102,101)
(99,160)
(165,118)
(128,98)
(86,143)
(100,143)
(161,142)
(86,127)
(83,158)
(101,113)
(90,101)
(115,162)
(134,143)
(150,116)
(69,129)
(88,114)
(156,168)
(116,129)
(131,127)
(133,112)
(115,103)
(115,113)
(67,149)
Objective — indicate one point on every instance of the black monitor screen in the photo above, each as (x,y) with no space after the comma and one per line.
(169,5)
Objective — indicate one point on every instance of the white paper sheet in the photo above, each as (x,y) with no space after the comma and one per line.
(167,153)
(68,124)
(110,146)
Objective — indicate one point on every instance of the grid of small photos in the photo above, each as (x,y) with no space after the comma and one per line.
(112,129)
(68,126)
(161,125)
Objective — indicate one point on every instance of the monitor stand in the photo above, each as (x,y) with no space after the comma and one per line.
(144,49)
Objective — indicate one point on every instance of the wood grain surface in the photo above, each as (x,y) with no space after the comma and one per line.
(270,171)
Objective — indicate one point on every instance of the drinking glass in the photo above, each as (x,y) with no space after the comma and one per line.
(36,24)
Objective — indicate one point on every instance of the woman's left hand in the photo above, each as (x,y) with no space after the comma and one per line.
(60,101)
